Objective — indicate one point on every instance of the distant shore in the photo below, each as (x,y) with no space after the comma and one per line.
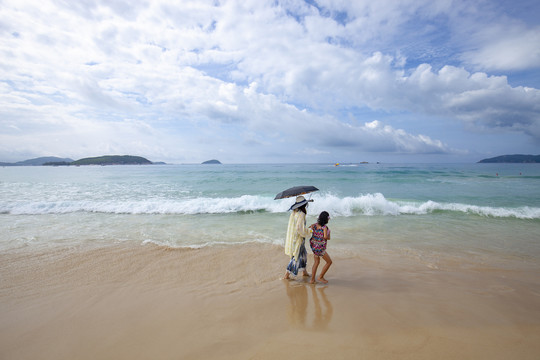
(228,302)
(138,160)
(525,159)
(99,160)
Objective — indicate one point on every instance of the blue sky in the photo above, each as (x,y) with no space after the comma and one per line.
(257,81)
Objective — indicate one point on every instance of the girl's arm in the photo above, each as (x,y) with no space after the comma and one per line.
(326,234)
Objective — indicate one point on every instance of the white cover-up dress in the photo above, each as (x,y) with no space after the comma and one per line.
(294,242)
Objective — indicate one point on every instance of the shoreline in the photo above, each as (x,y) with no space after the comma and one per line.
(228,302)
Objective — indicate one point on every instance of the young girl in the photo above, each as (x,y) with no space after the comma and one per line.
(321,234)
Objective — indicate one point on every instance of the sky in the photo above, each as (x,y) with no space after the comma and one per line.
(256,81)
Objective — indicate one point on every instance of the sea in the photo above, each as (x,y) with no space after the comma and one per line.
(435,214)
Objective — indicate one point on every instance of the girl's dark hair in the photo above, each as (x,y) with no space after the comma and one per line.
(303,209)
(323,218)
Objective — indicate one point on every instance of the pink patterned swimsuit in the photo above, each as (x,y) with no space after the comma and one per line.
(317,241)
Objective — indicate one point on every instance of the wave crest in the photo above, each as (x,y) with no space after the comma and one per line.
(368,205)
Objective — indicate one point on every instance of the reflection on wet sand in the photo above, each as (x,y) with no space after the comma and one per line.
(301,314)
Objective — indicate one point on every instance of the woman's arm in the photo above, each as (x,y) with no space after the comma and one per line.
(301,226)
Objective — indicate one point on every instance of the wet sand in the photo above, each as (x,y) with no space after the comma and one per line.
(149,302)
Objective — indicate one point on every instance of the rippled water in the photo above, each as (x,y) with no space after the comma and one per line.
(426,210)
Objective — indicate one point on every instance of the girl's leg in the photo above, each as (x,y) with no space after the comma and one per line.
(328,260)
(316,260)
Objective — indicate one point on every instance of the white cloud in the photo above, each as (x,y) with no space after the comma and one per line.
(377,137)
(478,99)
(506,48)
(104,75)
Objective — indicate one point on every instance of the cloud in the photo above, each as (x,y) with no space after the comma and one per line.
(300,66)
(375,136)
(102,75)
(478,99)
(506,49)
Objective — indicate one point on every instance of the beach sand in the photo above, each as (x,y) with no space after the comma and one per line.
(150,302)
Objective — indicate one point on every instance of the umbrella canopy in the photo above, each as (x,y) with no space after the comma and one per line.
(295,191)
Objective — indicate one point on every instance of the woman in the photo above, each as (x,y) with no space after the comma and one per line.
(296,234)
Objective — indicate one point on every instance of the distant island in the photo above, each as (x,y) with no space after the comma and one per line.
(37,161)
(512,159)
(212,162)
(108,160)
(100,160)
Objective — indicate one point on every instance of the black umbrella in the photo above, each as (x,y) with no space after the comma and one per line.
(295,191)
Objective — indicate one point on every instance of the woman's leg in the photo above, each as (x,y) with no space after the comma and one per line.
(292,268)
(316,260)
(302,260)
(328,260)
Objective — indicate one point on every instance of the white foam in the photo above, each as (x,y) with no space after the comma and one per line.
(377,204)
(368,205)
(173,245)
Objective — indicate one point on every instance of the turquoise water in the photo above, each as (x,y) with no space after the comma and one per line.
(462,210)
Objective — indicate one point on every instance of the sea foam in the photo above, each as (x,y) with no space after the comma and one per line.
(375,204)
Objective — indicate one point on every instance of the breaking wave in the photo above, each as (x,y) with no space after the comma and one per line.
(368,205)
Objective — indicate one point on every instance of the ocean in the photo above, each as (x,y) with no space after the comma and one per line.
(442,214)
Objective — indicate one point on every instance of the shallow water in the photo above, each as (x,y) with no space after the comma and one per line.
(435,213)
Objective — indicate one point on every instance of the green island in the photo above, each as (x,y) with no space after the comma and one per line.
(216,162)
(104,160)
(518,158)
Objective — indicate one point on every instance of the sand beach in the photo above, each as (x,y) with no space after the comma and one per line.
(228,302)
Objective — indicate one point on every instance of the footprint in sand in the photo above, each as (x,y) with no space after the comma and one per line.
(501,289)
(495,290)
